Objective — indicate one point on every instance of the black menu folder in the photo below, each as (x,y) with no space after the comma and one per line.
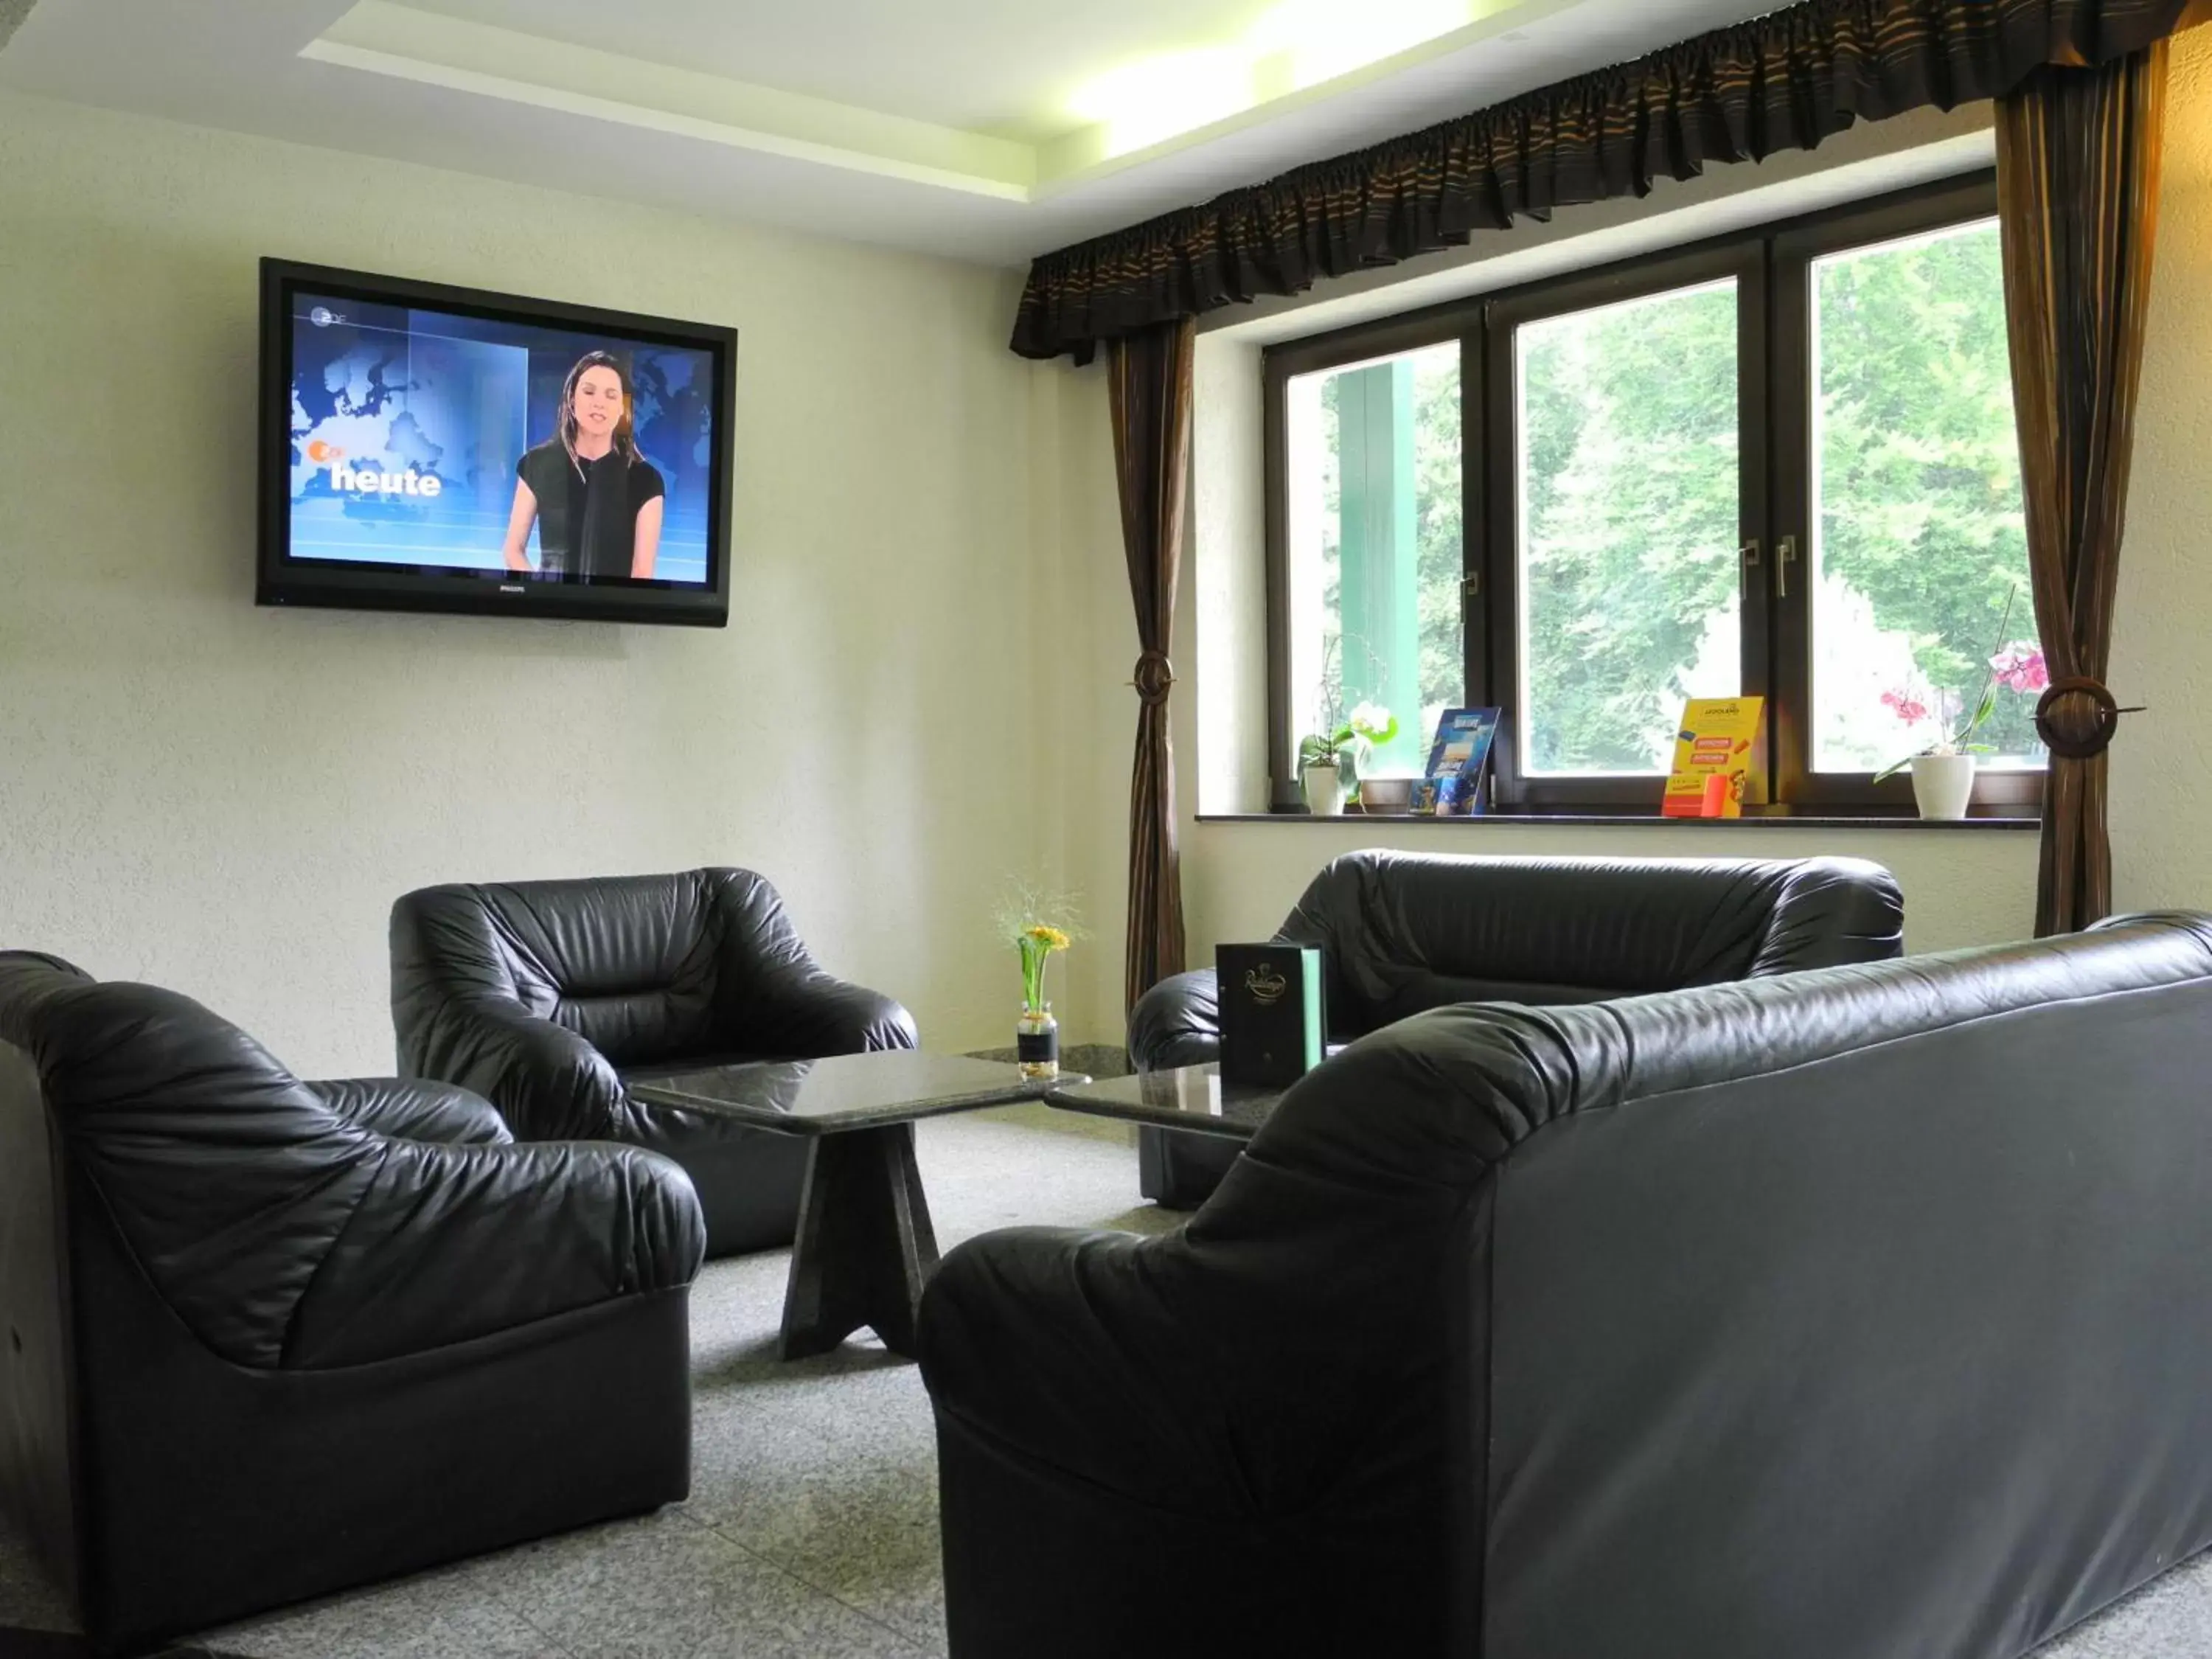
(1271,1012)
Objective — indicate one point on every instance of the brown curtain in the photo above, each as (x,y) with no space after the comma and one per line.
(1785,82)
(1149,374)
(2078,152)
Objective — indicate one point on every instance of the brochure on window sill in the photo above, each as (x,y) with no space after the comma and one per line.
(1456,786)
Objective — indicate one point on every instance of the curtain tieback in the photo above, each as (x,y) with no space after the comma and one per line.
(1155,675)
(2068,737)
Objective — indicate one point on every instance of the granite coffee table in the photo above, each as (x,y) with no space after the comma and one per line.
(1193,1098)
(866,1246)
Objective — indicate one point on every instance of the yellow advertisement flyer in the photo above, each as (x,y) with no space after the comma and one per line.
(1712,758)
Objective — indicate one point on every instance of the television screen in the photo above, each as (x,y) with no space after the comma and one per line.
(434,448)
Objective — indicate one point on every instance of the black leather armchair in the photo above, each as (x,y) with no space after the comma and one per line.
(1859,1312)
(1401,932)
(271,1338)
(549,998)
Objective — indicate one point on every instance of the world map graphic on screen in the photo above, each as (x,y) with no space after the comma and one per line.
(408,427)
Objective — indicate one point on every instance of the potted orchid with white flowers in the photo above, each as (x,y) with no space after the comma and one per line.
(1328,761)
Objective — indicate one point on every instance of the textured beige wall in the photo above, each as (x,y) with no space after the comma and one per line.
(226,800)
(2161,782)
(1222,640)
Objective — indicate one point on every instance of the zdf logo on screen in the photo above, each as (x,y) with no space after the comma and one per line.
(369,480)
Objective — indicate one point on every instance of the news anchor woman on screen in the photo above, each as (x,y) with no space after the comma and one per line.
(596,502)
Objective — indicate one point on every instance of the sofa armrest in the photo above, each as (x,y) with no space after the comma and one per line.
(547,1083)
(1281,1349)
(808,1013)
(415,1109)
(1059,1346)
(1226,1394)
(1832,912)
(772,997)
(448,1244)
(1177,1023)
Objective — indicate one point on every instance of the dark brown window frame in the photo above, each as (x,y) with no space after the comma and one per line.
(1772,263)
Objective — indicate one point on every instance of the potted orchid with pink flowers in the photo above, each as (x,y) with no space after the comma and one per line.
(1943,767)
(2019,667)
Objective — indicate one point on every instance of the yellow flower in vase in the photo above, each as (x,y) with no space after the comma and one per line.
(1020,919)
(1037,943)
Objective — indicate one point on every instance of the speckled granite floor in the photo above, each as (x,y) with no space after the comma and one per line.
(812,1527)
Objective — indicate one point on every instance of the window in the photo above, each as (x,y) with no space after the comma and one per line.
(1782,465)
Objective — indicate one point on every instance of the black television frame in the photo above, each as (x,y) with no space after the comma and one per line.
(284,580)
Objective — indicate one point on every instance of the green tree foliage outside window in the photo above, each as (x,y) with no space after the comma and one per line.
(1629,515)
(1922,537)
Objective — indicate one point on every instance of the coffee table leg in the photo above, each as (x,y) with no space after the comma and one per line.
(865,1247)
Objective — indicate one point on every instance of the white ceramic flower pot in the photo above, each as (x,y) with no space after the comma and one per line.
(1942,784)
(1324,790)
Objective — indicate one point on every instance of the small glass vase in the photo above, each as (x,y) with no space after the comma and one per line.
(1036,1042)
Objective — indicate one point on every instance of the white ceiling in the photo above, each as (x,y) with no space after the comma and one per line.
(987,130)
(921,61)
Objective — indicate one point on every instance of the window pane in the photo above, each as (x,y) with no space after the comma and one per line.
(1629,586)
(1919,541)
(1373,540)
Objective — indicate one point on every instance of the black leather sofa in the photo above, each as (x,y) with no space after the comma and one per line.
(1401,932)
(268,1338)
(1851,1314)
(549,997)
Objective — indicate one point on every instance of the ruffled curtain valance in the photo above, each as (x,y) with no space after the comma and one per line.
(1784,82)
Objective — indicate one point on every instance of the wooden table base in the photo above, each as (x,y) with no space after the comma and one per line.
(865,1247)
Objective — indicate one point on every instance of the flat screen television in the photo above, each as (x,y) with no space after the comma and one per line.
(434,448)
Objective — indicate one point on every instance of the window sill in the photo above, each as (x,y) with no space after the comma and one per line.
(1616,820)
